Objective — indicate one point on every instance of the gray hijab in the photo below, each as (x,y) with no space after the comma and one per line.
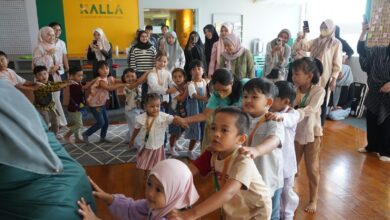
(23,140)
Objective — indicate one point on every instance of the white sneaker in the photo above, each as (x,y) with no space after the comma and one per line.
(192,155)
(362,150)
(173,152)
(384,158)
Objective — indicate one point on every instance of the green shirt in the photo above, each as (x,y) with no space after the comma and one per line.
(43,99)
(215,101)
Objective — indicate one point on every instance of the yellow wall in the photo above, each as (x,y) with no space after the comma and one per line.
(185,21)
(118,19)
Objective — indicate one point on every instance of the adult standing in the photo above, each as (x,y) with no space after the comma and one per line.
(211,36)
(161,40)
(328,50)
(38,178)
(176,58)
(278,56)
(151,36)
(45,54)
(375,61)
(219,48)
(142,57)
(194,50)
(237,58)
(101,49)
(346,48)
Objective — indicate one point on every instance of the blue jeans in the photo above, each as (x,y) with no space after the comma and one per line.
(100,114)
(276,204)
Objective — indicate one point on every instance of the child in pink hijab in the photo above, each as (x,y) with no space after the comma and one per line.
(164,193)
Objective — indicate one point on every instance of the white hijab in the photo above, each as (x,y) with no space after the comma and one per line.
(104,42)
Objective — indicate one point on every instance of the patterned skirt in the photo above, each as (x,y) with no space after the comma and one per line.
(147,158)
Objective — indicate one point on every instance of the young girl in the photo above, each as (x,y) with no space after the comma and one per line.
(160,78)
(97,101)
(164,193)
(196,103)
(310,96)
(133,100)
(152,126)
(177,106)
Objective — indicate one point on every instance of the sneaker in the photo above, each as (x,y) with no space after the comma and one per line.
(384,158)
(173,152)
(179,146)
(192,155)
(104,140)
(85,138)
(362,150)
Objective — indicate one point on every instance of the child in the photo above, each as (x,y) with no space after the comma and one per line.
(160,78)
(152,126)
(290,118)
(133,100)
(310,96)
(164,192)
(43,99)
(241,192)
(97,102)
(265,137)
(177,107)
(196,103)
(76,103)
(12,77)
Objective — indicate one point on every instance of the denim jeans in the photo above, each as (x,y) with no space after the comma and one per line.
(100,114)
(276,204)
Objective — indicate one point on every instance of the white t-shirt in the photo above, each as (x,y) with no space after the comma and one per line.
(157,131)
(11,77)
(60,53)
(158,82)
(192,88)
(270,166)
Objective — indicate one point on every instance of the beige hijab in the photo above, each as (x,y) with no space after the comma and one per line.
(322,43)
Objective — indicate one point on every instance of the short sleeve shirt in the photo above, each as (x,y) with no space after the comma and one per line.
(11,77)
(215,101)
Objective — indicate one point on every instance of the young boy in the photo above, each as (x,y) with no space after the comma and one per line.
(264,137)
(43,100)
(76,103)
(290,118)
(12,77)
(241,192)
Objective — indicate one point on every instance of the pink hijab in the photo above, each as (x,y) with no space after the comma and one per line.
(41,38)
(238,49)
(220,44)
(321,44)
(179,188)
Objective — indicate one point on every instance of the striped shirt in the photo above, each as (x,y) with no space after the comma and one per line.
(141,60)
(375,61)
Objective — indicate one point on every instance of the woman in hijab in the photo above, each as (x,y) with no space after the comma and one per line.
(176,58)
(101,49)
(38,178)
(142,57)
(194,50)
(173,193)
(278,56)
(219,48)
(237,58)
(46,54)
(211,36)
(328,50)
(376,62)
(346,48)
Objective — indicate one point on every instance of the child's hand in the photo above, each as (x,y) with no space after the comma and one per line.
(250,152)
(99,193)
(177,215)
(86,211)
(171,90)
(270,116)
(180,121)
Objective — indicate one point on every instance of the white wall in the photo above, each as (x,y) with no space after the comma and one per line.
(262,19)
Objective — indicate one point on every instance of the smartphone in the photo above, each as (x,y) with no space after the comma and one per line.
(94,42)
(306,26)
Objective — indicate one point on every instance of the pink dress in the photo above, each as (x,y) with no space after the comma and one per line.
(98,96)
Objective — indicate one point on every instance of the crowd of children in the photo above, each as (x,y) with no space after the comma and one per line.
(253,149)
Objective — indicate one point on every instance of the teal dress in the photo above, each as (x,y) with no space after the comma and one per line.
(28,195)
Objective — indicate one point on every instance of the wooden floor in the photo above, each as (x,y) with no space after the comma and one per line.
(352,186)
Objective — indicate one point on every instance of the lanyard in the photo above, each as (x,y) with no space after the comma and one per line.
(301,103)
(250,138)
(197,89)
(148,127)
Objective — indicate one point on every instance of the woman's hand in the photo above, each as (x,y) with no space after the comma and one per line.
(332,83)
(86,211)
(54,69)
(99,193)
(51,51)
(385,88)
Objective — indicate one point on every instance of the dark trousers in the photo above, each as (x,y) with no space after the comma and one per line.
(378,136)
(63,77)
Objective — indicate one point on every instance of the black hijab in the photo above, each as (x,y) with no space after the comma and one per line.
(209,42)
(139,44)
